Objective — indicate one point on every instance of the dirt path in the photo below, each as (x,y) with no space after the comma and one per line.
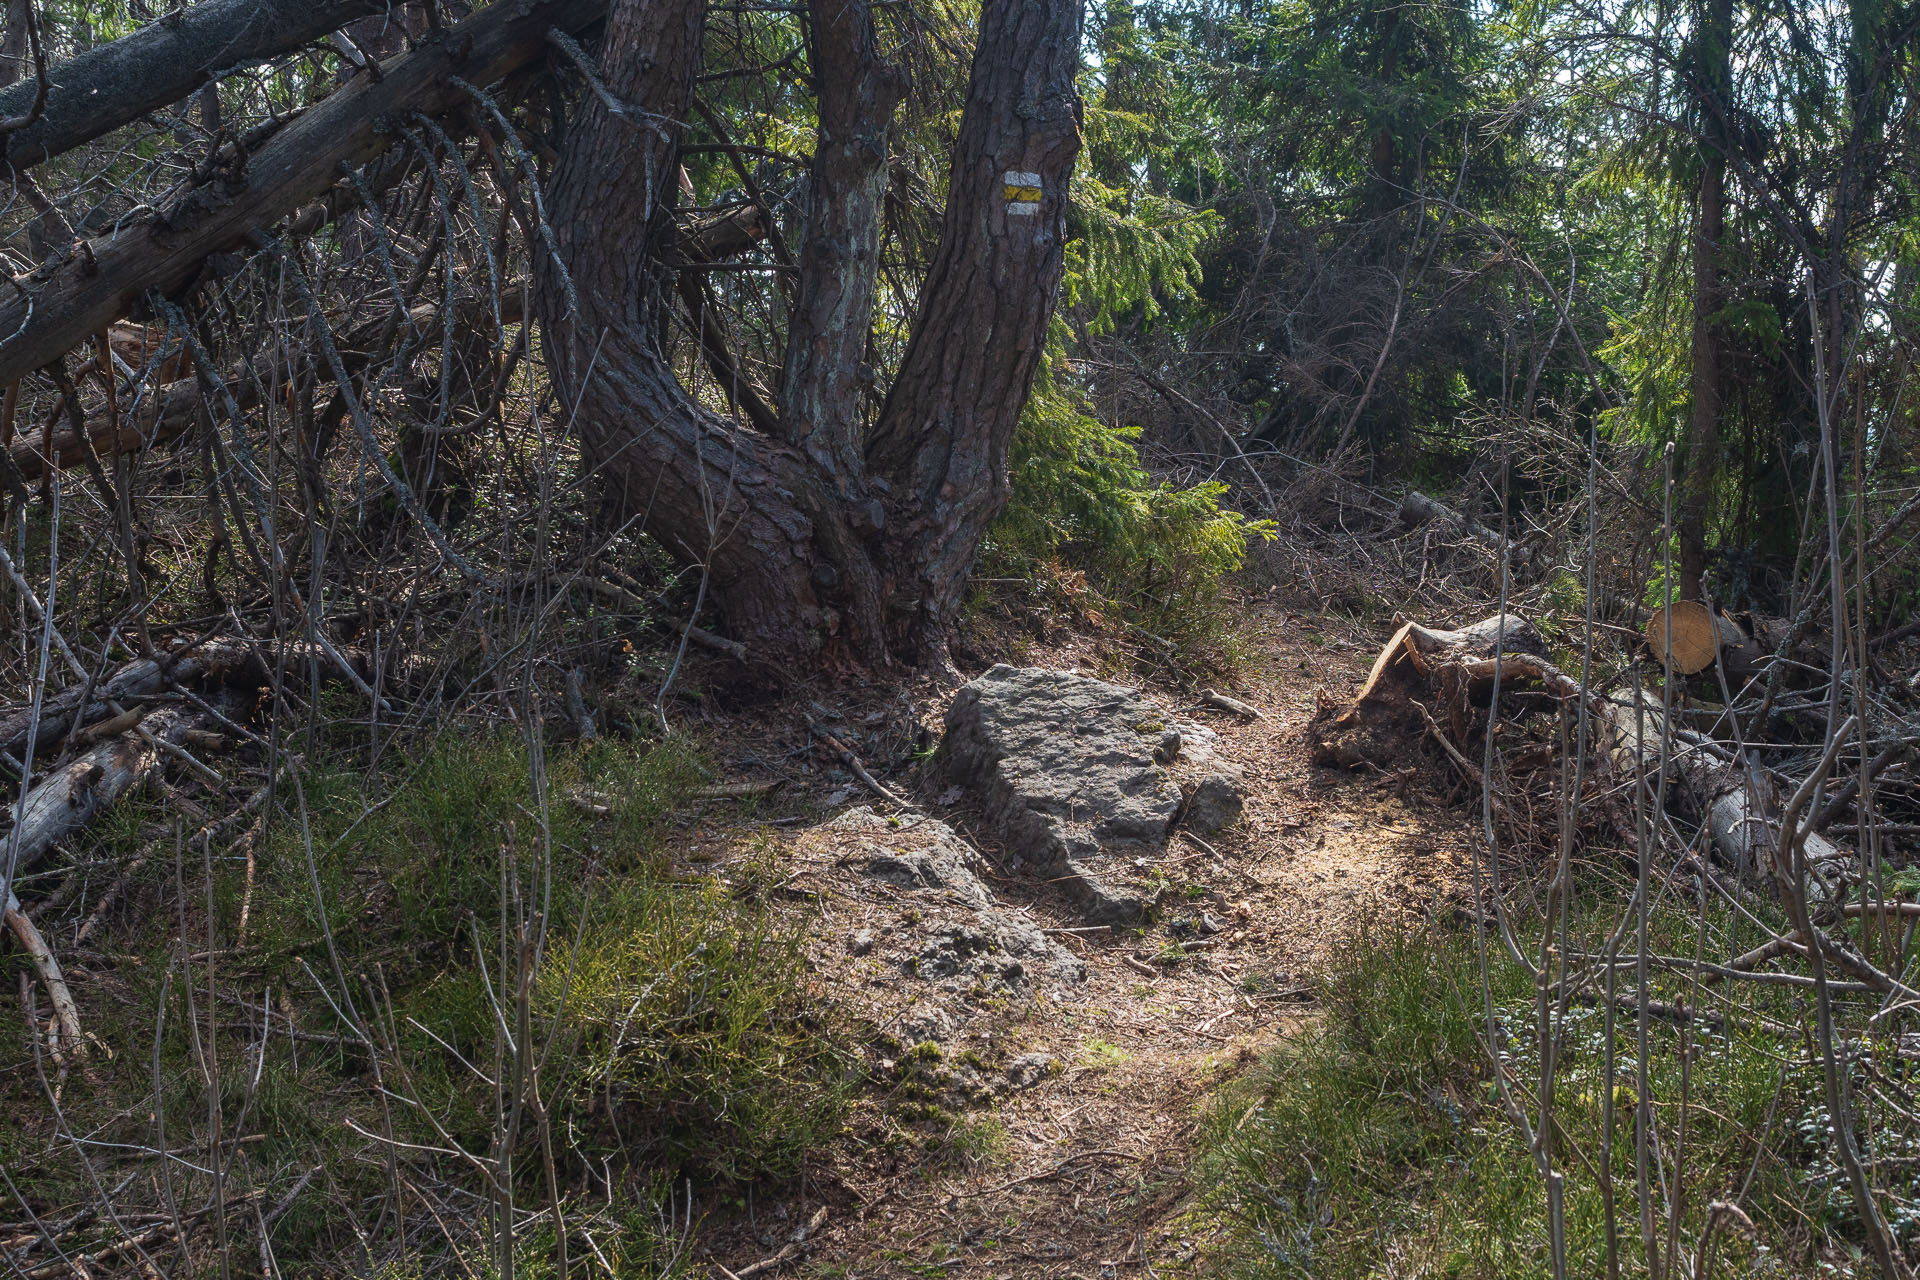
(1085,1168)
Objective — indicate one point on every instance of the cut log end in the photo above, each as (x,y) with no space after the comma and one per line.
(1686,634)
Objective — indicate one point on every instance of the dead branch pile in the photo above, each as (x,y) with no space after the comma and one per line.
(1508,722)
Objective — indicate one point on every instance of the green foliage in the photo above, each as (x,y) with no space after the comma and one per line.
(1080,490)
(686,1017)
(1133,251)
(678,1002)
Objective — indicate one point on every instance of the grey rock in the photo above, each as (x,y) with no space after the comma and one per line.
(1169,749)
(1030,1069)
(918,853)
(926,1021)
(1070,772)
(861,943)
(1216,803)
(1198,744)
(973,941)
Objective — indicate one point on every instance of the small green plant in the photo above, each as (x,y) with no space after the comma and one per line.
(978,1141)
(1095,1052)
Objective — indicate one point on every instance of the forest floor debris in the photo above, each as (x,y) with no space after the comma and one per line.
(1046,1128)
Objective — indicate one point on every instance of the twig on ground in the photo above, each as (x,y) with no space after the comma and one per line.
(791,1250)
(66,1013)
(1045,1174)
(859,770)
(1214,698)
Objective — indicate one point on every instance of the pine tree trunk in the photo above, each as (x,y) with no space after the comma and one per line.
(717,494)
(826,374)
(1710,221)
(941,443)
(16,63)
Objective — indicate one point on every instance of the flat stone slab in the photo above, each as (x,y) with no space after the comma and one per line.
(1072,773)
(966,938)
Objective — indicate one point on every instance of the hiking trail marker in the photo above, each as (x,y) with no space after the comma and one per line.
(1023,193)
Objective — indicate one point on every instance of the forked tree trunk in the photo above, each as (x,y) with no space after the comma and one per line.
(817,531)
(718,494)
(826,375)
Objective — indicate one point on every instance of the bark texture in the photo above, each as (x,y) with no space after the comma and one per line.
(1710,223)
(826,375)
(720,495)
(15,60)
(67,799)
(823,380)
(941,443)
(809,531)
(115,84)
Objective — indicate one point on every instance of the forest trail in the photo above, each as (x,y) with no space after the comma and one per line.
(1089,1172)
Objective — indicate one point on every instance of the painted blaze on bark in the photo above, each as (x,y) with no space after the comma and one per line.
(820,529)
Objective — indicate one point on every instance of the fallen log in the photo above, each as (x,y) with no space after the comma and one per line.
(114,84)
(1698,636)
(1453,671)
(167,414)
(1739,803)
(176,407)
(62,713)
(217,660)
(67,799)
(1214,698)
(55,309)
(1417,509)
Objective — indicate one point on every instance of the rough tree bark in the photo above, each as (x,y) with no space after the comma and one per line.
(840,254)
(721,495)
(15,63)
(826,372)
(113,84)
(813,532)
(941,443)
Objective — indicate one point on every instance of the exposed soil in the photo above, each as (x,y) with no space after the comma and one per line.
(1083,1167)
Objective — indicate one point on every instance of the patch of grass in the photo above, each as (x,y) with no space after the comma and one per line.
(1376,1142)
(979,1141)
(476,964)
